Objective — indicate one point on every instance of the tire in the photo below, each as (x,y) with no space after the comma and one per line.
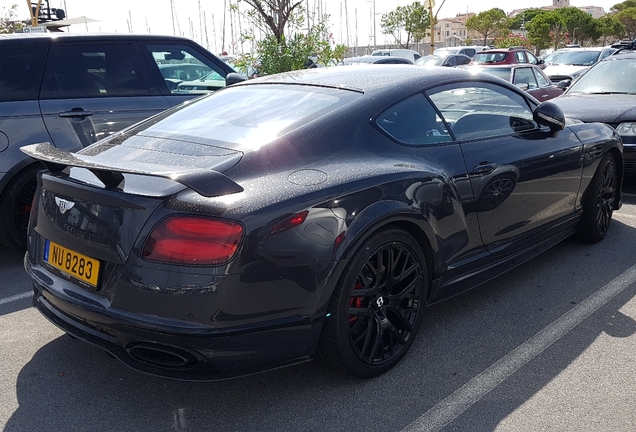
(15,208)
(374,314)
(598,203)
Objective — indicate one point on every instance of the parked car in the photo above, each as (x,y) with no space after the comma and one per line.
(375,60)
(404,53)
(450,60)
(74,89)
(572,62)
(470,51)
(607,93)
(525,76)
(312,212)
(514,55)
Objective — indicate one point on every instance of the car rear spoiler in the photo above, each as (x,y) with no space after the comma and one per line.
(204,182)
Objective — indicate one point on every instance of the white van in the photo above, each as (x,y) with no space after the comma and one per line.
(404,53)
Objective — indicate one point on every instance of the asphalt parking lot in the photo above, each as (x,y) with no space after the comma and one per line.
(550,346)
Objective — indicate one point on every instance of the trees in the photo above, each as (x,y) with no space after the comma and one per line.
(8,24)
(414,20)
(287,45)
(274,14)
(627,17)
(546,29)
(578,24)
(487,23)
(609,27)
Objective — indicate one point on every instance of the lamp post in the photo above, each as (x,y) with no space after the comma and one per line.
(430,4)
(574,35)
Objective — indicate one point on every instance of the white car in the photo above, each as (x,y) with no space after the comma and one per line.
(574,61)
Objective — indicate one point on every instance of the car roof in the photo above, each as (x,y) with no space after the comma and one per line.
(47,37)
(370,79)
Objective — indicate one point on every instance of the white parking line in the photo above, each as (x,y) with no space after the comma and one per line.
(16,297)
(463,398)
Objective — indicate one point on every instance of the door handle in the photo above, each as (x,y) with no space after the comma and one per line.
(484,168)
(75,112)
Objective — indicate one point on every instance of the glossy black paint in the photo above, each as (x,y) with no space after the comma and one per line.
(476,208)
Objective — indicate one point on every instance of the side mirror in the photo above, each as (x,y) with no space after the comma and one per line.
(550,115)
(541,61)
(447,64)
(233,78)
(523,86)
(563,84)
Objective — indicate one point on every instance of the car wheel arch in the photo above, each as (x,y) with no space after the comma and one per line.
(395,214)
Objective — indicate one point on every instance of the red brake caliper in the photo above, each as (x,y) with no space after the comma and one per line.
(355,302)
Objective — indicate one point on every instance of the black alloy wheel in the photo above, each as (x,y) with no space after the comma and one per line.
(377,307)
(598,205)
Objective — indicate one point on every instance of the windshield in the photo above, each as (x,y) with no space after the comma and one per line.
(577,58)
(607,77)
(552,57)
(486,57)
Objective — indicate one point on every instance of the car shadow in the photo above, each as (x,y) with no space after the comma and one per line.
(70,385)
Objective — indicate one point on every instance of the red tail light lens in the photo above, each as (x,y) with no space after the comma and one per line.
(193,241)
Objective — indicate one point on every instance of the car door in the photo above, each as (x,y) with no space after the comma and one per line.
(525,180)
(546,89)
(93,89)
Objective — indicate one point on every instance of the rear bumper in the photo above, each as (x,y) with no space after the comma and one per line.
(173,349)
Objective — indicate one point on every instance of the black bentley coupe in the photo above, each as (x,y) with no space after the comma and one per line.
(312,213)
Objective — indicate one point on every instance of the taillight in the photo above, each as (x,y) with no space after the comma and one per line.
(193,240)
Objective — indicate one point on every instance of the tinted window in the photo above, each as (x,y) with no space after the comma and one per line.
(480,110)
(21,72)
(413,121)
(182,64)
(463,60)
(99,70)
(241,118)
(469,52)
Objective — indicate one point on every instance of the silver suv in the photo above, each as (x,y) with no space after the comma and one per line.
(73,89)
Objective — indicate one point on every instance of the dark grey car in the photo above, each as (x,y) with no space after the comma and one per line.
(73,89)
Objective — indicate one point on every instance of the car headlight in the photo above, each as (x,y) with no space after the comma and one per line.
(627,129)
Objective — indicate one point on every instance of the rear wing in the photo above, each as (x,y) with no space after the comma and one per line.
(207,183)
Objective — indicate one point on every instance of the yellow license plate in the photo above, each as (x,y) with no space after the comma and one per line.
(72,263)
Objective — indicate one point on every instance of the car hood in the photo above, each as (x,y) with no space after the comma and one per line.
(562,69)
(600,108)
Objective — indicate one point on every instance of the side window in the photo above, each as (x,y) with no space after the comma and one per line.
(21,72)
(521,57)
(525,75)
(413,121)
(481,110)
(185,70)
(532,59)
(97,70)
(605,54)
(463,60)
(452,61)
(469,52)
(541,79)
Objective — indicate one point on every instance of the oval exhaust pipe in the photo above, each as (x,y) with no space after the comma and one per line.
(162,356)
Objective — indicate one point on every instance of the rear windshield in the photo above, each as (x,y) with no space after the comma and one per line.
(245,118)
(486,57)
